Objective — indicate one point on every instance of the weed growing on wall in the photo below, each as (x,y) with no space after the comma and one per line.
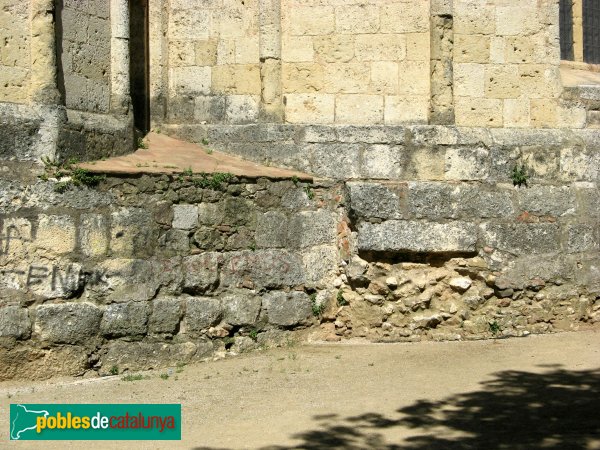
(519,176)
(68,175)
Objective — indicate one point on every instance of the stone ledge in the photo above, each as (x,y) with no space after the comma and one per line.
(414,236)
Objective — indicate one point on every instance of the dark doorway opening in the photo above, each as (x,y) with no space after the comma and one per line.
(591,31)
(566,30)
(139,64)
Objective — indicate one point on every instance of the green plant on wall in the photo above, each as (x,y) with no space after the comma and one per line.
(519,176)
(75,176)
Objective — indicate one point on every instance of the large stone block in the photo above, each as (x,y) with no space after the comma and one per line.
(236,79)
(347,78)
(334,48)
(414,236)
(125,319)
(405,17)
(582,238)
(357,19)
(381,47)
(319,264)
(382,161)
(401,109)
(185,217)
(310,108)
(272,230)
(133,232)
(241,308)
(473,202)
(468,163)
(93,235)
(310,228)
(547,200)
(56,234)
(471,48)
(14,322)
(377,201)
(370,134)
(432,200)
(469,80)
(190,80)
(242,108)
(201,272)
(478,112)
(263,268)
(311,20)
(579,165)
(384,77)
(135,356)
(339,161)
(521,238)
(202,313)
(166,314)
(359,109)
(302,77)
(287,309)
(189,24)
(68,323)
(297,49)
(116,279)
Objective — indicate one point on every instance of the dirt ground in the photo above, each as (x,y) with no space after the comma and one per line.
(534,392)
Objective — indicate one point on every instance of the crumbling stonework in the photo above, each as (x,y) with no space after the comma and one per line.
(457,198)
(159,266)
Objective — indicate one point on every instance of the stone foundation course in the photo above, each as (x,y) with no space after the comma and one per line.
(145,271)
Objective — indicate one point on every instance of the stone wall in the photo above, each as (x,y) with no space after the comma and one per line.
(310,62)
(150,271)
(84,48)
(469,63)
(15,53)
(506,59)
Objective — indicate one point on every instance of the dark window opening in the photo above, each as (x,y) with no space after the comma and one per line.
(566,30)
(139,64)
(591,31)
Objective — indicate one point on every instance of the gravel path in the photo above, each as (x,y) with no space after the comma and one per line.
(539,391)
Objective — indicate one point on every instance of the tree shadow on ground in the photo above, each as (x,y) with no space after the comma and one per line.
(559,409)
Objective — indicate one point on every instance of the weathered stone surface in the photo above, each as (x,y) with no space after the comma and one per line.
(528,268)
(134,356)
(310,228)
(338,161)
(522,238)
(272,230)
(14,322)
(264,268)
(377,201)
(133,233)
(131,279)
(125,319)
(201,313)
(466,163)
(319,263)
(287,309)
(201,271)
(547,200)
(185,217)
(412,236)
(582,238)
(26,363)
(166,314)
(460,284)
(241,308)
(68,323)
(432,200)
